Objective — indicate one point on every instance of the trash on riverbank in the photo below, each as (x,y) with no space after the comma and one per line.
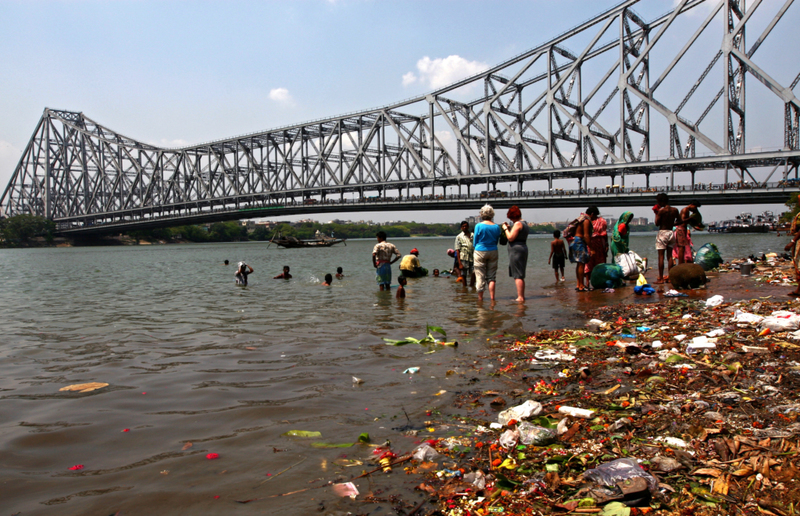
(706,424)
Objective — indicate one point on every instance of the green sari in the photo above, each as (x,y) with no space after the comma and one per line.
(619,242)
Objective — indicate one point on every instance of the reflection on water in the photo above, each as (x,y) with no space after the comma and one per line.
(191,358)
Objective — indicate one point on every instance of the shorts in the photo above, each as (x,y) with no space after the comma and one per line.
(665,239)
(558,261)
(578,251)
(467,268)
(383,274)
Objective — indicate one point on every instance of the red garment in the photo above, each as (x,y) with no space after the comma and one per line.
(599,244)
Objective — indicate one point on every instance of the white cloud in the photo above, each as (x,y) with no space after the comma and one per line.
(409,78)
(280,95)
(436,73)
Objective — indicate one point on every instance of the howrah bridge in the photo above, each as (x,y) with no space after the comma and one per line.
(609,112)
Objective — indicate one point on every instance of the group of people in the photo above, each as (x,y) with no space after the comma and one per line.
(475,255)
(243,270)
(590,244)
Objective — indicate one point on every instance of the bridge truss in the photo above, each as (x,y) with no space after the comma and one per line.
(673,85)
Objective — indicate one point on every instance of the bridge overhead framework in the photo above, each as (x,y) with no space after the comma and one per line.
(592,106)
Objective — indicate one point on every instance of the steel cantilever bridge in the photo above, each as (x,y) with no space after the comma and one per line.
(586,107)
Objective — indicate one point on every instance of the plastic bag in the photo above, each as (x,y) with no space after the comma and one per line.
(612,472)
(476,478)
(535,435)
(425,452)
(627,263)
(708,257)
(527,409)
(781,320)
(641,281)
(744,317)
(509,439)
(714,301)
(607,276)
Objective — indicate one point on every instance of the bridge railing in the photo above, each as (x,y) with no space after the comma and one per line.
(181,214)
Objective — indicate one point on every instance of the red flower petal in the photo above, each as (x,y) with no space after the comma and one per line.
(127,430)
(76,467)
(212,456)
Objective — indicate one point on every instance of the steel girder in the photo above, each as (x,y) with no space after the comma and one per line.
(548,113)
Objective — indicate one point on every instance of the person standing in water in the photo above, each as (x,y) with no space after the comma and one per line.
(241,274)
(517,234)
(382,260)
(558,254)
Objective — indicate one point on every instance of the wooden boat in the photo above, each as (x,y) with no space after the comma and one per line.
(291,242)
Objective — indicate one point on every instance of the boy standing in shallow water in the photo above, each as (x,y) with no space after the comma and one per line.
(401,291)
(558,253)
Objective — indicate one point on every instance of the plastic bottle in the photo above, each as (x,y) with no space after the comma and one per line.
(576,412)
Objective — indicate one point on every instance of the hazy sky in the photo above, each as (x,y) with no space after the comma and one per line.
(174,73)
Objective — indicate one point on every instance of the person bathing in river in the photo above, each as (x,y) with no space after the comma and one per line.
(689,217)
(382,260)
(581,247)
(558,254)
(285,274)
(410,267)
(328,280)
(339,273)
(666,216)
(241,274)
(464,255)
(517,234)
(401,287)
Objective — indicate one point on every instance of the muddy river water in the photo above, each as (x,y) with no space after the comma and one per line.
(196,365)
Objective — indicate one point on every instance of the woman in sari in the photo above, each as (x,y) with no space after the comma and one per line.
(619,239)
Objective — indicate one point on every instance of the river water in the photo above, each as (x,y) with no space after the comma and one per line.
(191,358)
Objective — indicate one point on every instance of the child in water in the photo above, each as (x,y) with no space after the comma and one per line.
(401,291)
(339,273)
(328,280)
(558,253)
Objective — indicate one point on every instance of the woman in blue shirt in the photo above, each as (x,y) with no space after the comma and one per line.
(485,239)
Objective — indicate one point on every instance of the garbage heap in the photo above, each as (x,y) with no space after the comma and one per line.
(769,268)
(682,407)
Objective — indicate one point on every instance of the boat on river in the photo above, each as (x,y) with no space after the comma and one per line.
(319,240)
(746,223)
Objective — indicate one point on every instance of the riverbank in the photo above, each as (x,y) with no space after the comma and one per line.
(675,406)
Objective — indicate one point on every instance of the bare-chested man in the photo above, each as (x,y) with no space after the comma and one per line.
(681,231)
(666,216)
(581,247)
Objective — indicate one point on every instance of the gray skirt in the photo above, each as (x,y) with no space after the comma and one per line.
(517,260)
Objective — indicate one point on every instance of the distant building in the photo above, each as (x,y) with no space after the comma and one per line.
(639,221)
